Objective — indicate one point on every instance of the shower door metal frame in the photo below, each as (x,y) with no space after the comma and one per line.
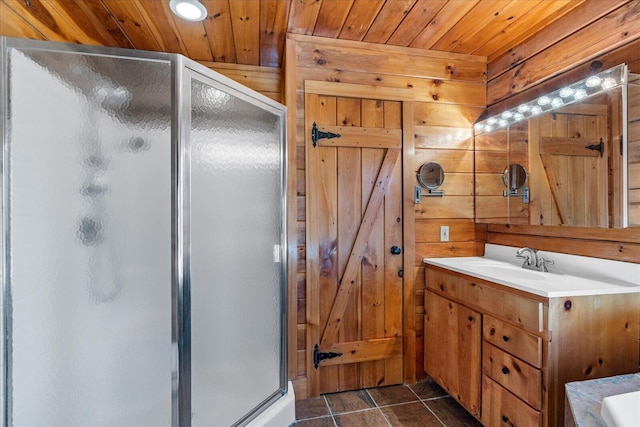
(180,321)
(189,70)
(7,43)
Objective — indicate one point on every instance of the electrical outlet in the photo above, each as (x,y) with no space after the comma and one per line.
(444,233)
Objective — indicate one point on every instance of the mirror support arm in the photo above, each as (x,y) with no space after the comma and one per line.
(514,193)
(433,193)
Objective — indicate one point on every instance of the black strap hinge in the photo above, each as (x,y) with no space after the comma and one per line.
(319,356)
(597,147)
(317,134)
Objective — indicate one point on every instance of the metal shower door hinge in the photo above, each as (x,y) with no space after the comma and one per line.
(317,134)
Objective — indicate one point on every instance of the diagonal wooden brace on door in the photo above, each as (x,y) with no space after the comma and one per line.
(354,262)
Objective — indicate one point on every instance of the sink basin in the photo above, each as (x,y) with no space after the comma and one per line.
(513,272)
(546,284)
(622,410)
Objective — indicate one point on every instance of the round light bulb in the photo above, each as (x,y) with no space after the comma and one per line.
(544,100)
(191,10)
(592,81)
(566,92)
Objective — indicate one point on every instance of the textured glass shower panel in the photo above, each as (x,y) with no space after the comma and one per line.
(90,240)
(235,284)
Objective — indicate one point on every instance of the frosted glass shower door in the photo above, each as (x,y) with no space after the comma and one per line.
(87,172)
(236,273)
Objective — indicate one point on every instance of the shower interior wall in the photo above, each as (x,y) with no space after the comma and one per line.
(93,284)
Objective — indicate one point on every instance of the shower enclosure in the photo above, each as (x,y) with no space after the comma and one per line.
(143,240)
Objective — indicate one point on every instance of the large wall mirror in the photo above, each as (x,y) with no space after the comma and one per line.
(580,149)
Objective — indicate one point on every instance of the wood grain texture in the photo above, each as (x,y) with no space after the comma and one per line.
(348,278)
(612,347)
(218,28)
(583,15)
(469,26)
(452,339)
(420,15)
(519,378)
(616,29)
(360,18)
(499,406)
(273,19)
(408,257)
(297,238)
(513,340)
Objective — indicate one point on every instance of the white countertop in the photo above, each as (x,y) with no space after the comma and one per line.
(597,276)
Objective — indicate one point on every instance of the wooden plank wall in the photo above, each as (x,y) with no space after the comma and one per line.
(443,96)
(596,36)
(445,139)
(266,80)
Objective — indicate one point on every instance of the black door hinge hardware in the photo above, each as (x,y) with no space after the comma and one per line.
(319,356)
(317,134)
(597,147)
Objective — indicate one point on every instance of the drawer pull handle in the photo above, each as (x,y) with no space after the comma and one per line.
(505,338)
(505,419)
(505,370)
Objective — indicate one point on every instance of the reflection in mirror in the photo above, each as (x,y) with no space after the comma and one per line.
(583,158)
(514,177)
(430,177)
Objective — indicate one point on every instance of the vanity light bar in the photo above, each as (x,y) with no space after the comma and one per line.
(592,85)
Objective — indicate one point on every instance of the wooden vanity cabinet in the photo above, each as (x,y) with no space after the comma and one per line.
(520,348)
(455,330)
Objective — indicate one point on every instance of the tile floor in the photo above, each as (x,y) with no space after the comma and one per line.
(424,404)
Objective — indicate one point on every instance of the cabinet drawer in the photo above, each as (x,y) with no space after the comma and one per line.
(521,379)
(501,408)
(513,340)
(516,308)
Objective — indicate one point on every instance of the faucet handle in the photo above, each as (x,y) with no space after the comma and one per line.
(542,263)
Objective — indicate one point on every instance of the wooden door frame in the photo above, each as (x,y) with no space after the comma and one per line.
(406,97)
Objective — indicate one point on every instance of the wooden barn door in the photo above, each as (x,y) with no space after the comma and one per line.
(354,244)
(565,144)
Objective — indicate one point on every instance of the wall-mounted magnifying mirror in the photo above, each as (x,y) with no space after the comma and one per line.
(514,178)
(430,176)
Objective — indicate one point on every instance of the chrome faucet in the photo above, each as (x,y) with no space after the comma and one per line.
(532,261)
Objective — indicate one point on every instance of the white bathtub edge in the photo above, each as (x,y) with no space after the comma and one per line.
(281,414)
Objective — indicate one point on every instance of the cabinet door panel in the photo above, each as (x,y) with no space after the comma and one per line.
(513,340)
(452,349)
(501,408)
(521,379)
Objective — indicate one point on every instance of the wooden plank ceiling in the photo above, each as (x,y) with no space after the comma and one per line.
(252,32)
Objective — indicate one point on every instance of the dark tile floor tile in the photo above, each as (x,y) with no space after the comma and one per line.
(368,418)
(451,413)
(392,395)
(311,408)
(349,401)
(410,415)
(315,422)
(428,389)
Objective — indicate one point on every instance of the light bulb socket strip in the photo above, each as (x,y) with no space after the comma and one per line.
(578,91)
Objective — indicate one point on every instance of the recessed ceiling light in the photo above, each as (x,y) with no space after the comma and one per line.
(191,10)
